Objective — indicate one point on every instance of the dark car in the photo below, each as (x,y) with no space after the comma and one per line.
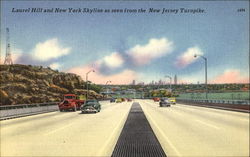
(112,100)
(129,100)
(164,102)
(91,106)
(123,99)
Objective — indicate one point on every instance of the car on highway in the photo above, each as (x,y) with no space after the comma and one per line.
(118,100)
(91,106)
(123,99)
(164,102)
(172,100)
(129,99)
(112,100)
(156,99)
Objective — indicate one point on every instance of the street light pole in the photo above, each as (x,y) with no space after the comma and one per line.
(205,59)
(170,82)
(107,87)
(88,83)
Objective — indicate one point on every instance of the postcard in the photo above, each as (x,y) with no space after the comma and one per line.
(124,78)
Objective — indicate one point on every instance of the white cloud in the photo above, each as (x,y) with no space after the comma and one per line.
(188,57)
(55,66)
(231,76)
(124,77)
(156,48)
(114,60)
(49,49)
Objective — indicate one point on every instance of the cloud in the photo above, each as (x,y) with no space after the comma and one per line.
(144,54)
(55,66)
(124,77)
(114,60)
(50,49)
(192,78)
(188,57)
(231,76)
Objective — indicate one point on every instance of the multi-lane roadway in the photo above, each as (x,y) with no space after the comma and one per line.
(181,130)
(197,131)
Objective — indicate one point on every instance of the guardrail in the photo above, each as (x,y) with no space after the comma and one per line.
(12,111)
(215,101)
(232,105)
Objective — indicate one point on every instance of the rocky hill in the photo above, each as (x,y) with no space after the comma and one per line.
(21,84)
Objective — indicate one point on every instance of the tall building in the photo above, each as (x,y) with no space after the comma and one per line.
(133,83)
(175,79)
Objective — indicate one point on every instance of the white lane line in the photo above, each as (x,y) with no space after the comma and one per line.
(210,125)
(53,131)
(112,140)
(163,134)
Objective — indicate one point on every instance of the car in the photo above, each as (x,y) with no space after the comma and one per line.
(156,99)
(112,100)
(164,102)
(91,106)
(172,100)
(129,100)
(123,99)
(118,100)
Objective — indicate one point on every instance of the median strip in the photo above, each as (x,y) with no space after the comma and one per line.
(137,137)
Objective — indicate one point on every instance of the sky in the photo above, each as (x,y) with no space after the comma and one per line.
(134,43)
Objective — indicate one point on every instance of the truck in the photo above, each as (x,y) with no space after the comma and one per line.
(70,102)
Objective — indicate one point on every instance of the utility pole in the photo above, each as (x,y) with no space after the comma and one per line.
(107,87)
(8,59)
(88,83)
(205,59)
(170,82)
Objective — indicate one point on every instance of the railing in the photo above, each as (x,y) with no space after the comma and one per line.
(26,109)
(215,101)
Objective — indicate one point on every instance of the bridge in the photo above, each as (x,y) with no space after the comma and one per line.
(179,130)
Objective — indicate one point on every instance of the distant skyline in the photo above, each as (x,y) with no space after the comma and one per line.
(122,47)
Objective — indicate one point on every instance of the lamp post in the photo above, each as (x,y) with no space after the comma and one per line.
(107,87)
(170,82)
(205,59)
(88,83)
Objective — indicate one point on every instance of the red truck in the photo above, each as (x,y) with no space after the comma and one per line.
(70,102)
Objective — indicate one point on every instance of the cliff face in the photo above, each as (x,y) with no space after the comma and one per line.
(21,84)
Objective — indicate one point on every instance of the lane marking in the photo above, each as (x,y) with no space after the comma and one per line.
(210,125)
(53,131)
(162,133)
(108,142)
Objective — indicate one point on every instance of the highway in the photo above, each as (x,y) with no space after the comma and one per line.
(65,133)
(181,130)
(196,131)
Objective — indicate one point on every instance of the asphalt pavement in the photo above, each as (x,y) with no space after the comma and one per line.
(193,131)
(182,130)
(65,133)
